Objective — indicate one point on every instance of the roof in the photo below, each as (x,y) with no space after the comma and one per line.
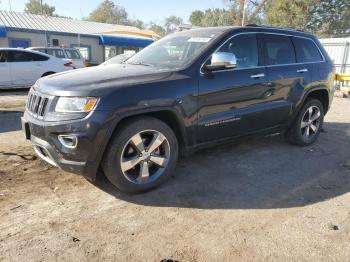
(56,24)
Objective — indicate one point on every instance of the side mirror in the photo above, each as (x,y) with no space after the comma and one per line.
(221,61)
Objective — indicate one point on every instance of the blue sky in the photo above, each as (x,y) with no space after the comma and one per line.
(153,11)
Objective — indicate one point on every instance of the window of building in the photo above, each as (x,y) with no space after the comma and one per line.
(245,48)
(55,42)
(306,50)
(279,50)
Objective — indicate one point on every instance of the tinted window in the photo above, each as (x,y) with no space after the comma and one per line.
(19,56)
(278,50)
(3,56)
(73,54)
(245,48)
(307,51)
(59,53)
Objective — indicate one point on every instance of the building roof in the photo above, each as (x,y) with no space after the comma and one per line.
(19,20)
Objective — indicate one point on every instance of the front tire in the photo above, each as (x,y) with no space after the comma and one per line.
(141,156)
(308,124)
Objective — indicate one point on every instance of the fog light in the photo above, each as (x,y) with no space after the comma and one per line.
(68,141)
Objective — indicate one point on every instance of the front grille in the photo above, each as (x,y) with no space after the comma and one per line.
(36,104)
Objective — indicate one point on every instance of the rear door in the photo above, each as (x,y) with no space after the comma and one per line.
(286,77)
(26,67)
(5,73)
(308,57)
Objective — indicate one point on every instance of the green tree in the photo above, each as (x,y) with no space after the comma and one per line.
(157,29)
(330,18)
(171,23)
(108,12)
(232,15)
(288,13)
(196,18)
(33,7)
(137,23)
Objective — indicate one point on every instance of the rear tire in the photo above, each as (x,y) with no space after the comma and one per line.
(141,156)
(307,126)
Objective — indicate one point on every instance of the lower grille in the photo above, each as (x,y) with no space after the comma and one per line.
(37,104)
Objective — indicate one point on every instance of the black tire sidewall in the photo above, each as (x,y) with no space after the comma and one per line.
(300,140)
(111,163)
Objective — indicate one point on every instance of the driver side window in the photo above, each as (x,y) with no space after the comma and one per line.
(245,48)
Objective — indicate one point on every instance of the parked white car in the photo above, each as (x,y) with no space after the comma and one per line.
(72,54)
(21,68)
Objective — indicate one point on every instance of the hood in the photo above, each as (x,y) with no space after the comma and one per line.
(99,80)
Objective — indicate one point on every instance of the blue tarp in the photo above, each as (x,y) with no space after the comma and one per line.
(2,31)
(113,40)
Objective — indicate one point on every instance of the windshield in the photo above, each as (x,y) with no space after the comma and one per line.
(174,51)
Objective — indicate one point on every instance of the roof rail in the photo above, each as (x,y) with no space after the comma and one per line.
(274,27)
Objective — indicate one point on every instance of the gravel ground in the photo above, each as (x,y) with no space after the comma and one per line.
(260,200)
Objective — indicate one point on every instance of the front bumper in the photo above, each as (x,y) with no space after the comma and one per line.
(84,159)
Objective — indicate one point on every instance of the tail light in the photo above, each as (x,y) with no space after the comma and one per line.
(68,64)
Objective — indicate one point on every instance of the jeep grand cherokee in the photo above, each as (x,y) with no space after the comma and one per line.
(186,91)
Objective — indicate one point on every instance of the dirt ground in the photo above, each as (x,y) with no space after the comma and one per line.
(260,200)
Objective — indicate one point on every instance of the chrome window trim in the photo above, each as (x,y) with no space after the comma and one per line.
(266,66)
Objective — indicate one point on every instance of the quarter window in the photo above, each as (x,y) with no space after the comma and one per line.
(245,48)
(306,50)
(279,50)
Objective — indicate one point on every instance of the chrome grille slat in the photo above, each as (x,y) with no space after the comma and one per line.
(36,104)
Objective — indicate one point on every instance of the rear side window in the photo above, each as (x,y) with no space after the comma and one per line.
(307,50)
(19,56)
(3,56)
(59,53)
(279,50)
(72,54)
(245,48)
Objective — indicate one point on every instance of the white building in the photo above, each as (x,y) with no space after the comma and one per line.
(96,41)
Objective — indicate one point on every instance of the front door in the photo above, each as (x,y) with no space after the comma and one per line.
(231,102)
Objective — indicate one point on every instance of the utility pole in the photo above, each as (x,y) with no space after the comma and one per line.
(41,7)
(10,5)
(243,14)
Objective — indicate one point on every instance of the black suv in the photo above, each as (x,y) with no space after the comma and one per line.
(186,91)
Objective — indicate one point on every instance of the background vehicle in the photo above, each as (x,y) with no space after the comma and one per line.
(72,54)
(118,59)
(22,68)
(186,91)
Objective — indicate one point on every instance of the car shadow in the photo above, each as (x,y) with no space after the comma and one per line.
(10,121)
(255,174)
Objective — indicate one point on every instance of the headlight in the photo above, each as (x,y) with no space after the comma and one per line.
(75,104)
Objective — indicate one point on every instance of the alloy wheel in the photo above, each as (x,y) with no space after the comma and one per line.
(310,122)
(145,157)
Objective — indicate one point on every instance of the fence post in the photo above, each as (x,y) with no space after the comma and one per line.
(345,58)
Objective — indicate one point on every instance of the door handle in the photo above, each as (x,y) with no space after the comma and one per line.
(257,76)
(304,70)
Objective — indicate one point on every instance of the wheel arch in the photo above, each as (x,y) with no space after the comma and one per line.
(322,94)
(48,73)
(166,115)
